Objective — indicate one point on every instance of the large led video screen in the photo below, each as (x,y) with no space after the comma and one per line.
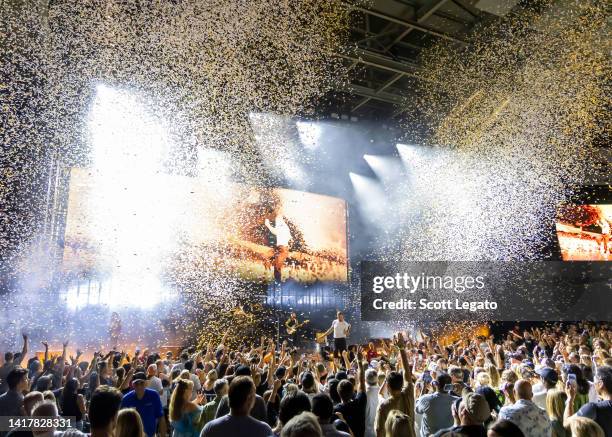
(165,223)
(584,232)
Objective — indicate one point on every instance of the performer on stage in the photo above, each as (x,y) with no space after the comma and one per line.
(605,234)
(341,330)
(281,250)
(291,324)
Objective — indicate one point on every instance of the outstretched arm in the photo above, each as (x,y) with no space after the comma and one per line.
(24,350)
(46,345)
(362,387)
(401,345)
(330,330)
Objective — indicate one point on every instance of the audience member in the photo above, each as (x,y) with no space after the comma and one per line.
(238,422)
(250,389)
(129,424)
(530,418)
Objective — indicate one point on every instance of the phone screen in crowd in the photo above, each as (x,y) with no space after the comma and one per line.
(448,387)
(427,376)
(571,378)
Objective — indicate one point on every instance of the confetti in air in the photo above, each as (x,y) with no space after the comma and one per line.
(506,127)
(513,119)
(201,67)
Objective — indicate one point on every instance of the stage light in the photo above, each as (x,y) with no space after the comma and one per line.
(371,198)
(309,133)
(130,203)
(406,152)
(386,168)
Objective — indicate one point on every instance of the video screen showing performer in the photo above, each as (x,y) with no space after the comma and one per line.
(252,233)
(584,232)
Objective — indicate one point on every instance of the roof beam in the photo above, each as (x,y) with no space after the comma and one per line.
(405,23)
(383,62)
(383,87)
(474,12)
(386,63)
(367,36)
(424,12)
(428,9)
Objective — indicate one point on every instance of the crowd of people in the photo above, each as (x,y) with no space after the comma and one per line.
(554,380)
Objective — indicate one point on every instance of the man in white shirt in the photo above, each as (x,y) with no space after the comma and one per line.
(530,418)
(341,330)
(372,389)
(197,385)
(283,235)
(153,381)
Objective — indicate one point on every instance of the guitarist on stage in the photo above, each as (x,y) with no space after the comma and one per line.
(292,325)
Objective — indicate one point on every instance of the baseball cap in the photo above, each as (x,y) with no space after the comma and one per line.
(139,377)
(548,374)
(477,406)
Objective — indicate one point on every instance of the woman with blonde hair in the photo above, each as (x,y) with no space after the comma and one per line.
(493,375)
(209,383)
(483,380)
(584,427)
(398,424)
(129,424)
(555,404)
(508,378)
(184,412)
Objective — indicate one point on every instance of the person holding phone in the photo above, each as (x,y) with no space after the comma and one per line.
(572,374)
(599,411)
(436,407)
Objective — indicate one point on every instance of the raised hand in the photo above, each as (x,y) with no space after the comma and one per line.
(277,384)
(65,344)
(340,416)
(45,344)
(399,341)
(570,391)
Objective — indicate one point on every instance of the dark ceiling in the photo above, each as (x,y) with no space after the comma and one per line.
(388,37)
